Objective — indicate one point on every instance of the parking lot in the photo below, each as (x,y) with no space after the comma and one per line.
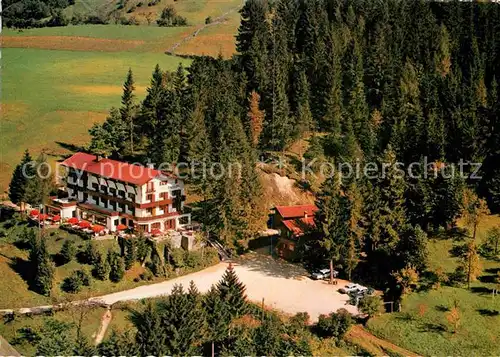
(283,286)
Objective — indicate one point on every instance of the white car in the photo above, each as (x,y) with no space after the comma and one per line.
(351,288)
(323,274)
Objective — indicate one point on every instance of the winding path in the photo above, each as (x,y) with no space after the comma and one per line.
(216,21)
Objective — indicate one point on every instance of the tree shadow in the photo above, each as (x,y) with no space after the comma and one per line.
(493,271)
(442,308)
(488,312)
(458,250)
(482,290)
(433,327)
(491,279)
(23,268)
(58,259)
(271,266)
(70,147)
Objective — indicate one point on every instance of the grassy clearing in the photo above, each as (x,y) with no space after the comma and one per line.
(56,96)
(9,329)
(422,326)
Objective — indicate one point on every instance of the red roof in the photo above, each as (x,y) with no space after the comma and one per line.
(298,226)
(112,169)
(288,212)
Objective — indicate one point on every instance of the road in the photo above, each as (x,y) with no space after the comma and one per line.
(283,286)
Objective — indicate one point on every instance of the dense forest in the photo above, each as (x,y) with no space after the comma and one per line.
(371,82)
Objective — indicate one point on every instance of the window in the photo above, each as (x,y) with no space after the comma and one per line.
(112,191)
(164,195)
(149,211)
(131,196)
(95,186)
(156,225)
(113,205)
(103,189)
(184,220)
(149,198)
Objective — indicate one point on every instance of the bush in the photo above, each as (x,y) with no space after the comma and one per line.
(74,282)
(116,267)
(208,20)
(370,305)
(101,267)
(334,325)
(68,251)
(91,255)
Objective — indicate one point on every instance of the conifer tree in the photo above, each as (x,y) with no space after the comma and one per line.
(331,220)
(130,253)
(101,267)
(19,181)
(43,268)
(116,266)
(232,293)
(150,336)
(128,108)
(256,118)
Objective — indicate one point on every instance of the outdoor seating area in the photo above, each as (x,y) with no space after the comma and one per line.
(84,228)
(42,219)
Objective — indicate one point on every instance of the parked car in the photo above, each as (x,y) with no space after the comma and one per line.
(350,288)
(323,274)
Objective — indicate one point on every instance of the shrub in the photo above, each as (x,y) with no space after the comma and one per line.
(76,280)
(334,325)
(101,267)
(68,251)
(370,305)
(116,267)
(91,255)
(72,284)
(208,20)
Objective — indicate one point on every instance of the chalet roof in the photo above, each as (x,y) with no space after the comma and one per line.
(298,226)
(113,169)
(288,212)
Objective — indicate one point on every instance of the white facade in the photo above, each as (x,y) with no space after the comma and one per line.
(157,204)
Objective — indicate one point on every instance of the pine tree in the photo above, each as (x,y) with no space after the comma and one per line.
(256,118)
(232,293)
(101,267)
(157,266)
(128,108)
(43,268)
(252,43)
(130,253)
(68,251)
(116,266)
(332,220)
(19,181)
(151,105)
(150,336)
(303,116)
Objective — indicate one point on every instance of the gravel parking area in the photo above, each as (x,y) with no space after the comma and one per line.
(283,286)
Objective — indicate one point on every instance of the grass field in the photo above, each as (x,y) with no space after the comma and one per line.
(56,82)
(10,330)
(51,97)
(422,325)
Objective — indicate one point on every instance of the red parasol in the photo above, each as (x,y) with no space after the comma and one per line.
(121,227)
(34,212)
(155,232)
(43,217)
(56,218)
(97,228)
(84,224)
(73,220)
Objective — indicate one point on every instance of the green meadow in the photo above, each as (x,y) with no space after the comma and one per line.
(53,96)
